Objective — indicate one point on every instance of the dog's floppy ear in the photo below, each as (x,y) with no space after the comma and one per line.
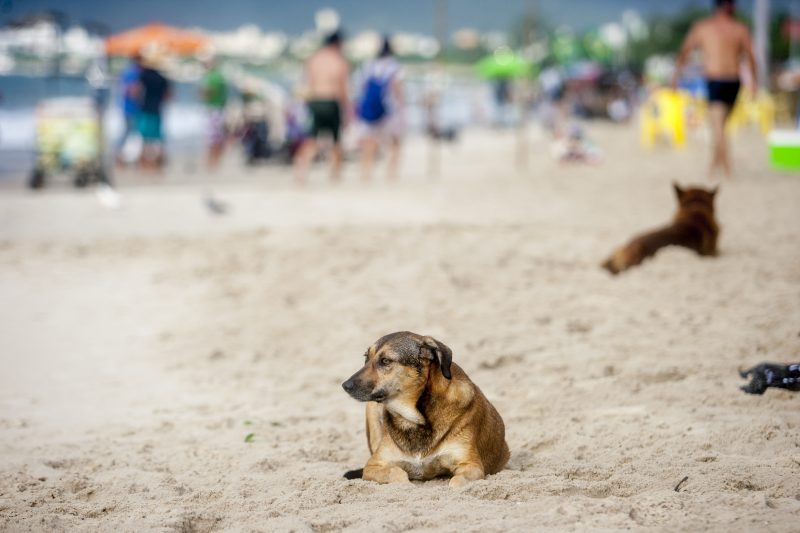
(441,353)
(678,191)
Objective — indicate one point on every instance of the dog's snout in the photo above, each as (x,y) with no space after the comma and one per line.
(359,388)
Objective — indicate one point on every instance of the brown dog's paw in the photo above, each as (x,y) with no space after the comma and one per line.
(398,475)
(458,481)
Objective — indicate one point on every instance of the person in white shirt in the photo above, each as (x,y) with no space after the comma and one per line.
(380,111)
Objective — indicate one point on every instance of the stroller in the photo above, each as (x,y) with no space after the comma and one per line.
(67,139)
(256,141)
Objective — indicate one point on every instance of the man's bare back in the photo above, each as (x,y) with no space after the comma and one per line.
(724,42)
(327,74)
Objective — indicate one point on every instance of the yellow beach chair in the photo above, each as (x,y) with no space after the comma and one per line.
(749,111)
(663,117)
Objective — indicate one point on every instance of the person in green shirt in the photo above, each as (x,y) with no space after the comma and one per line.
(214,92)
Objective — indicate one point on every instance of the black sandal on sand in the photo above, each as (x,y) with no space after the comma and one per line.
(768,375)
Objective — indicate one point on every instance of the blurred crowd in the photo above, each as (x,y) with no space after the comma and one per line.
(366,105)
(268,123)
(339,111)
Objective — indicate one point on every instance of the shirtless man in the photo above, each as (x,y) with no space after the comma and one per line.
(724,42)
(327,74)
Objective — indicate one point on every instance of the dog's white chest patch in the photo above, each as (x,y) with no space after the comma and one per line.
(419,467)
(430,466)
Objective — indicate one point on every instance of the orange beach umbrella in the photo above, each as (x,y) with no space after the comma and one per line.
(174,40)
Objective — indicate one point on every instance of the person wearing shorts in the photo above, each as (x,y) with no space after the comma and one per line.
(326,119)
(130,105)
(389,129)
(328,101)
(153,90)
(724,92)
(149,126)
(725,43)
(214,93)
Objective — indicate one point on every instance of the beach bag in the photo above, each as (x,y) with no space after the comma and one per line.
(373,103)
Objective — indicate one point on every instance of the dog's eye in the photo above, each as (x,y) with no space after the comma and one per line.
(385,362)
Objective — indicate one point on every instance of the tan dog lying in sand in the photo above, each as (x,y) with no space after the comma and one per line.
(425,418)
(694,227)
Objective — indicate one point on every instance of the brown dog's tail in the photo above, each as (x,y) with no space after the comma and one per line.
(354,474)
(612,264)
(644,246)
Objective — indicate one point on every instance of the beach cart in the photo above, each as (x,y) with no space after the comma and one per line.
(67,141)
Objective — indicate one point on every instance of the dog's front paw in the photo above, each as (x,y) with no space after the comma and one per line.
(398,475)
(458,481)
(385,474)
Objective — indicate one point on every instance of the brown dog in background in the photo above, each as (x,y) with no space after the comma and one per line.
(694,227)
(425,418)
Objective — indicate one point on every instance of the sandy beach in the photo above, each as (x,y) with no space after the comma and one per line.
(142,345)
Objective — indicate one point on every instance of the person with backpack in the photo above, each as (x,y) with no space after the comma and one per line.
(380,111)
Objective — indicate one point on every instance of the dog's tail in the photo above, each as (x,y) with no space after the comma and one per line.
(354,474)
(647,244)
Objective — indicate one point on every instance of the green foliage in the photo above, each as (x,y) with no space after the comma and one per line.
(665,36)
(779,45)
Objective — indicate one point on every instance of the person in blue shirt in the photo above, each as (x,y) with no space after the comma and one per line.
(129,102)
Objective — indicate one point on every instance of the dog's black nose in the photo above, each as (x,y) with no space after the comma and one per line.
(348,386)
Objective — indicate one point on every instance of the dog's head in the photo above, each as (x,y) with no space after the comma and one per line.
(398,365)
(695,196)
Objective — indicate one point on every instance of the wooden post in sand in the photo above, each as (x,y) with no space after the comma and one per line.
(522,95)
(434,155)
(761,39)
(432,99)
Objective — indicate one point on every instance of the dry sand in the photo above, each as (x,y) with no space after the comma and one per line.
(141,346)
